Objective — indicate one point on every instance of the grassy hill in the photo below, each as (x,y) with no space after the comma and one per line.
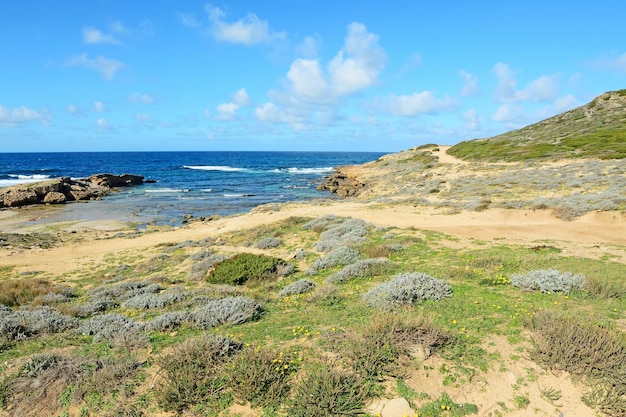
(595,130)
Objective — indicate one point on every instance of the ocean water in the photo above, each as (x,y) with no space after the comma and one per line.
(187,183)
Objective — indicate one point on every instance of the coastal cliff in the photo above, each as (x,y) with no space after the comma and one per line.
(61,190)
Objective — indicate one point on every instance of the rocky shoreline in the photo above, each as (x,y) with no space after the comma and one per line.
(342,184)
(64,189)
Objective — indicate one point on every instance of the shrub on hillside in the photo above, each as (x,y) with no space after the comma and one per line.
(262,376)
(325,391)
(109,326)
(374,354)
(169,321)
(161,300)
(549,280)
(200,270)
(246,266)
(406,289)
(192,374)
(268,243)
(586,350)
(298,287)
(229,310)
(342,255)
(360,269)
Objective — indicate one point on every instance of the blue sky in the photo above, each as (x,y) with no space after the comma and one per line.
(285,75)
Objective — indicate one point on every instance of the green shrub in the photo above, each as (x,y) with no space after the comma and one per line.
(245,266)
(192,374)
(329,392)
(262,376)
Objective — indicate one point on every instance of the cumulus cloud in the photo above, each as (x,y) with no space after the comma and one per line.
(249,30)
(92,35)
(419,103)
(560,105)
(472,120)
(309,47)
(75,110)
(228,111)
(141,98)
(611,63)
(539,90)
(106,67)
(509,113)
(98,106)
(470,84)
(103,124)
(313,90)
(143,117)
(359,62)
(10,117)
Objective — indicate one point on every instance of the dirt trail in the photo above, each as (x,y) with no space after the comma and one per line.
(593,235)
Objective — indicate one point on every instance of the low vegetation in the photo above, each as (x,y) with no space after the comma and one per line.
(328,321)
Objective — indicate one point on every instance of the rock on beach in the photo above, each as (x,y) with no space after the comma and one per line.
(60,190)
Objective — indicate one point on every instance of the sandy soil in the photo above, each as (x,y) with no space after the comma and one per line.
(593,235)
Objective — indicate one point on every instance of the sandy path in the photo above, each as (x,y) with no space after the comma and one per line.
(593,235)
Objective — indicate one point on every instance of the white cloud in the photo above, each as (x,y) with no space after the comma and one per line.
(419,103)
(539,90)
(472,120)
(18,115)
(313,90)
(106,67)
(249,30)
(143,117)
(470,84)
(102,124)
(117,27)
(141,98)
(359,62)
(188,20)
(613,63)
(98,106)
(307,81)
(228,111)
(509,113)
(94,36)
(241,98)
(75,110)
(560,105)
(309,47)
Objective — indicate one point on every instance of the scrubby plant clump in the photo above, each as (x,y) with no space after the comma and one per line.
(268,243)
(360,269)
(21,324)
(200,270)
(108,326)
(262,376)
(247,266)
(342,255)
(229,310)
(192,374)
(549,280)
(325,391)
(298,287)
(407,289)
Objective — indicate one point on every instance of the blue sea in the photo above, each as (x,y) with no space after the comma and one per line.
(187,183)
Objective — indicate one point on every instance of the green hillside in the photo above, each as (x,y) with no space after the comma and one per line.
(595,130)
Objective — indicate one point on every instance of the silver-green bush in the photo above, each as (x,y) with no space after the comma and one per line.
(406,289)
(229,310)
(298,287)
(549,280)
(361,268)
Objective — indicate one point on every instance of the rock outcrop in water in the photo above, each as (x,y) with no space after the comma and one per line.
(61,190)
